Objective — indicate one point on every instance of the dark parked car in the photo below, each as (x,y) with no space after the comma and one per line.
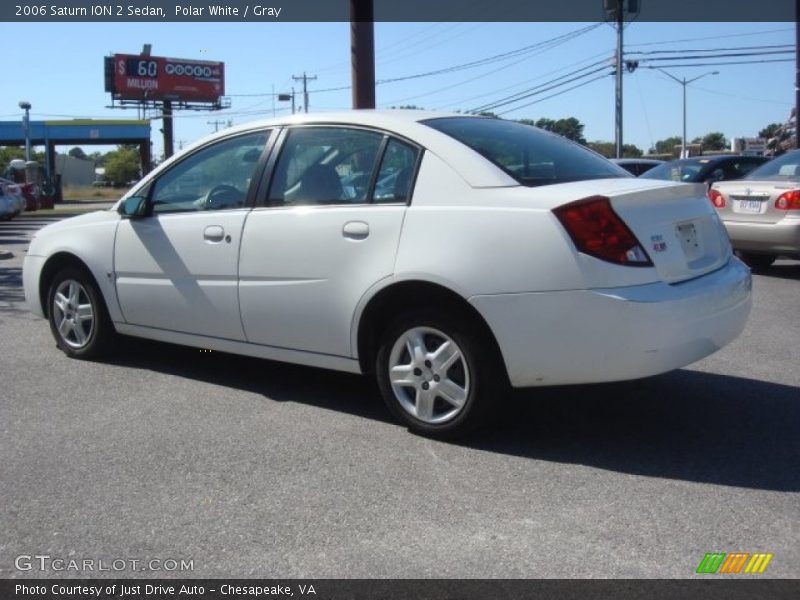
(637,166)
(705,169)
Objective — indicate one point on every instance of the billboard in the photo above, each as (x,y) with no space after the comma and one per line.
(141,77)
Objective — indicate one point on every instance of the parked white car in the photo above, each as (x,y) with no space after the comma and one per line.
(502,254)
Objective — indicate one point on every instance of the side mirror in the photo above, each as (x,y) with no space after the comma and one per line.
(133,207)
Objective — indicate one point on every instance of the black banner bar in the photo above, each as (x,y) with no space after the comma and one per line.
(391,10)
(399,589)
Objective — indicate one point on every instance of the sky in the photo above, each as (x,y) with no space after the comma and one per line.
(58,68)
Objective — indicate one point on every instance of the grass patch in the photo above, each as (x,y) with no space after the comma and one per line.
(90,193)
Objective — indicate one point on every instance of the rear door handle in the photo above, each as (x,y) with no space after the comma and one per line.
(214,234)
(355,230)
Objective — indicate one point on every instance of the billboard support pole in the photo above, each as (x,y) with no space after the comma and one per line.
(362,53)
(169,148)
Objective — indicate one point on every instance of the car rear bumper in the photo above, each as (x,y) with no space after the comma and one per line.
(591,336)
(782,237)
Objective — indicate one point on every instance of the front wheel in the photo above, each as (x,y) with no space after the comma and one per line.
(437,375)
(78,318)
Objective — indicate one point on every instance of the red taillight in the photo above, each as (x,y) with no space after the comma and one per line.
(598,231)
(788,201)
(717,199)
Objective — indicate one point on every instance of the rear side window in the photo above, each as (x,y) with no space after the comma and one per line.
(396,174)
(531,156)
(325,165)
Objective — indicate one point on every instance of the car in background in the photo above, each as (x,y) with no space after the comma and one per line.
(705,169)
(12,200)
(479,253)
(637,166)
(762,211)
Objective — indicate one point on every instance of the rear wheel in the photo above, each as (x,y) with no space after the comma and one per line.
(756,261)
(78,317)
(437,375)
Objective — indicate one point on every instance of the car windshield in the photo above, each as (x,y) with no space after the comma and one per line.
(531,156)
(783,168)
(684,170)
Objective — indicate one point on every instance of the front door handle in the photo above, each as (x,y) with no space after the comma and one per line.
(214,234)
(355,230)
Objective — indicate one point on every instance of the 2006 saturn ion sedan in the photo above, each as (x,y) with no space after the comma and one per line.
(449,255)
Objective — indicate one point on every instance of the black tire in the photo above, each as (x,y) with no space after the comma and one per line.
(757,261)
(479,372)
(98,336)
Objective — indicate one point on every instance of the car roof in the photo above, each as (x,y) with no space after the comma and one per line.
(406,123)
(713,158)
(636,161)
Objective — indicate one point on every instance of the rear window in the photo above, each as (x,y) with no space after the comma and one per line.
(685,170)
(782,168)
(531,156)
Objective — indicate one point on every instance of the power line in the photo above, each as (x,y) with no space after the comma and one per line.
(749,98)
(508,55)
(527,81)
(546,86)
(720,55)
(490,72)
(716,64)
(575,87)
(717,37)
(730,49)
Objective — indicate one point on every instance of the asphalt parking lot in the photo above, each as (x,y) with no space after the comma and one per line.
(251,468)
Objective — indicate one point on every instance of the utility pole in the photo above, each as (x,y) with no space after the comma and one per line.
(620,15)
(362,53)
(305,79)
(216,124)
(617,10)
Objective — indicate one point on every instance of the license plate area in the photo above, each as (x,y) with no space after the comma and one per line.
(748,206)
(687,235)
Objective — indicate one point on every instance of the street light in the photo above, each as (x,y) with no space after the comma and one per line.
(684,82)
(26,127)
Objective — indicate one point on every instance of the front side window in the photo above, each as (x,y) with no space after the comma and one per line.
(325,165)
(214,178)
(531,156)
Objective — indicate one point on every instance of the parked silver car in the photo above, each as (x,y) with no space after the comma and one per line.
(762,210)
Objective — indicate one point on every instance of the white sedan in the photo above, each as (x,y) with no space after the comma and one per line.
(448,255)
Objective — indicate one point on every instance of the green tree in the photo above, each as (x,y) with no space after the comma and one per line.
(571,128)
(714,141)
(770,131)
(77,152)
(9,153)
(667,146)
(122,165)
(609,149)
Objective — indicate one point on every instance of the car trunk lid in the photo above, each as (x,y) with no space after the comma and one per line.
(677,227)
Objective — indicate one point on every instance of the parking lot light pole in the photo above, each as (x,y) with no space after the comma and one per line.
(684,82)
(26,127)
